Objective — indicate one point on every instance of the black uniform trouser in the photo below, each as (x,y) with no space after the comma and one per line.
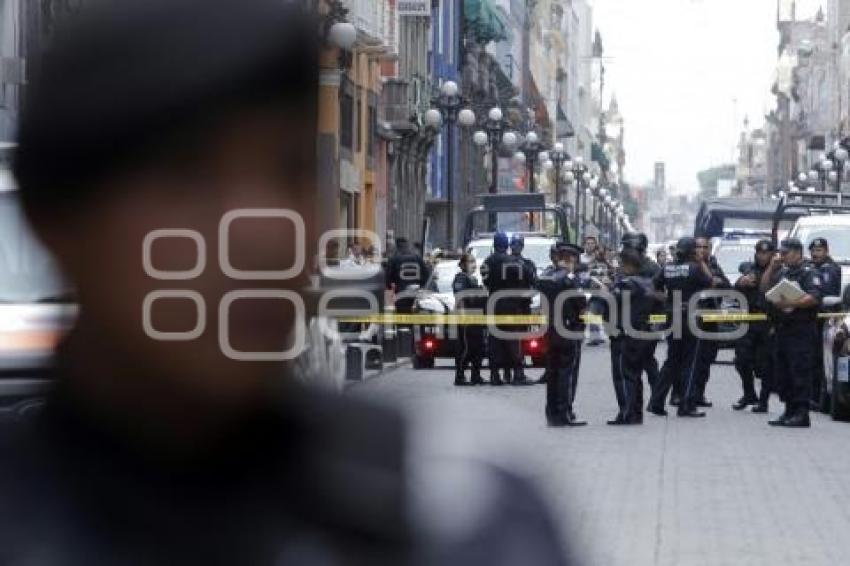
(818,375)
(627,361)
(754,359)
(562,363)
(680,368)
(707,356)
(470,348)
(794,361)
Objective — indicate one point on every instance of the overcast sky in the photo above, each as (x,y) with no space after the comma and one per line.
(685,73)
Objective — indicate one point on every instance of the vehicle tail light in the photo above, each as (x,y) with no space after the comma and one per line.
(429,344)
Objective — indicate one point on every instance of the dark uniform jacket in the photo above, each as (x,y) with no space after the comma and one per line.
(686,277)
(641,299)
(755,298)
(405,269)
(466,282)
(809,281)
(555,281)
(503,272)
(830,277)
(314,479)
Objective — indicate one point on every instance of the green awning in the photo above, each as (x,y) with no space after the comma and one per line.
(485,21)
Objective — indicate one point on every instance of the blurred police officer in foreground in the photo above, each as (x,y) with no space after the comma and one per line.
(563,357)
(406,271)
(830,277)
(638,242)
(754,351)
(471,347)
(687,276)
(161,114)
(628,352)
(796,326)
(708,348)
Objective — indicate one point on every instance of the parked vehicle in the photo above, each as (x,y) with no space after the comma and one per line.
(36,305)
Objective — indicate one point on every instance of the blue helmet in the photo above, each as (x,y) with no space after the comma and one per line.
(500,241)
(517,241)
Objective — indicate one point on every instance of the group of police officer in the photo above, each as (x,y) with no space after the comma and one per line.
(782,350)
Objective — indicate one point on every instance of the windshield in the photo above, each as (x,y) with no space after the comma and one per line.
(730,257)
(837,236)
(27,273)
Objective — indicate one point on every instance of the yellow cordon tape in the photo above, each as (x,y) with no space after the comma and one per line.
(536,320)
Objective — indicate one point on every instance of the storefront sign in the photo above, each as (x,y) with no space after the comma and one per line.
(414,8)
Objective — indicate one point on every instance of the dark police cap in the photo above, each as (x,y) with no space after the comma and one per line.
(765,246)
(124,77)
(686,245)
(571,249)
(819,243)
(789,244)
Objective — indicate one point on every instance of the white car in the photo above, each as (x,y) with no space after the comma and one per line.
(36,307)
(835,396)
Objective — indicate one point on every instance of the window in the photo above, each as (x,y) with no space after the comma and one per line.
(358,123)
(373,132)
(346,121)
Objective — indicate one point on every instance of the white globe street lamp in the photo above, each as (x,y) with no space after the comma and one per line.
(479,138)
(826,165)
(532,138)
(559,147)
(495,114)
(450,88)
(343,35)
(509,140)
(543,156)
(434,118)
(569,176)
(466,117)
(813,176)
(832,176)
(841,154)
(802,177)
(519,158)
(548,165)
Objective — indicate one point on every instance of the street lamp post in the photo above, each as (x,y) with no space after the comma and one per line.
(496,135)
(531,152)
(560,160)
(450,108)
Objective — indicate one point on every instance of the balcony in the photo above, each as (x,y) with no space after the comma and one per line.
(373,20)
(398,111)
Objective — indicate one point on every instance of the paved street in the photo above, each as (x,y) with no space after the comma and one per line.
(724,490)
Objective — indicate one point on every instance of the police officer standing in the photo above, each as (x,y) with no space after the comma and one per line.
(563,356)
(529,275)
(830,276)
(754,351)
(405,269)
(628,352)
(796,331)
(708,349)
(681,280)
(471,347)
(547,273)
(505,272)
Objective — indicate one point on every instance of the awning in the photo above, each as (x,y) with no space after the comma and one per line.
(485,21)
(564,126)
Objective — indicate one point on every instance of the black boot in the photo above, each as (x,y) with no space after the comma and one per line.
(460,380)
(744,402)
(800,419)
(476,376)
(783,418)
(495,379)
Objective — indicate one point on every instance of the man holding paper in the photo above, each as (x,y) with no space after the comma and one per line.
(794,291)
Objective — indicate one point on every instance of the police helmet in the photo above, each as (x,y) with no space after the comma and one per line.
(686,247)
(517,241)
(500,241)
(630,240)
